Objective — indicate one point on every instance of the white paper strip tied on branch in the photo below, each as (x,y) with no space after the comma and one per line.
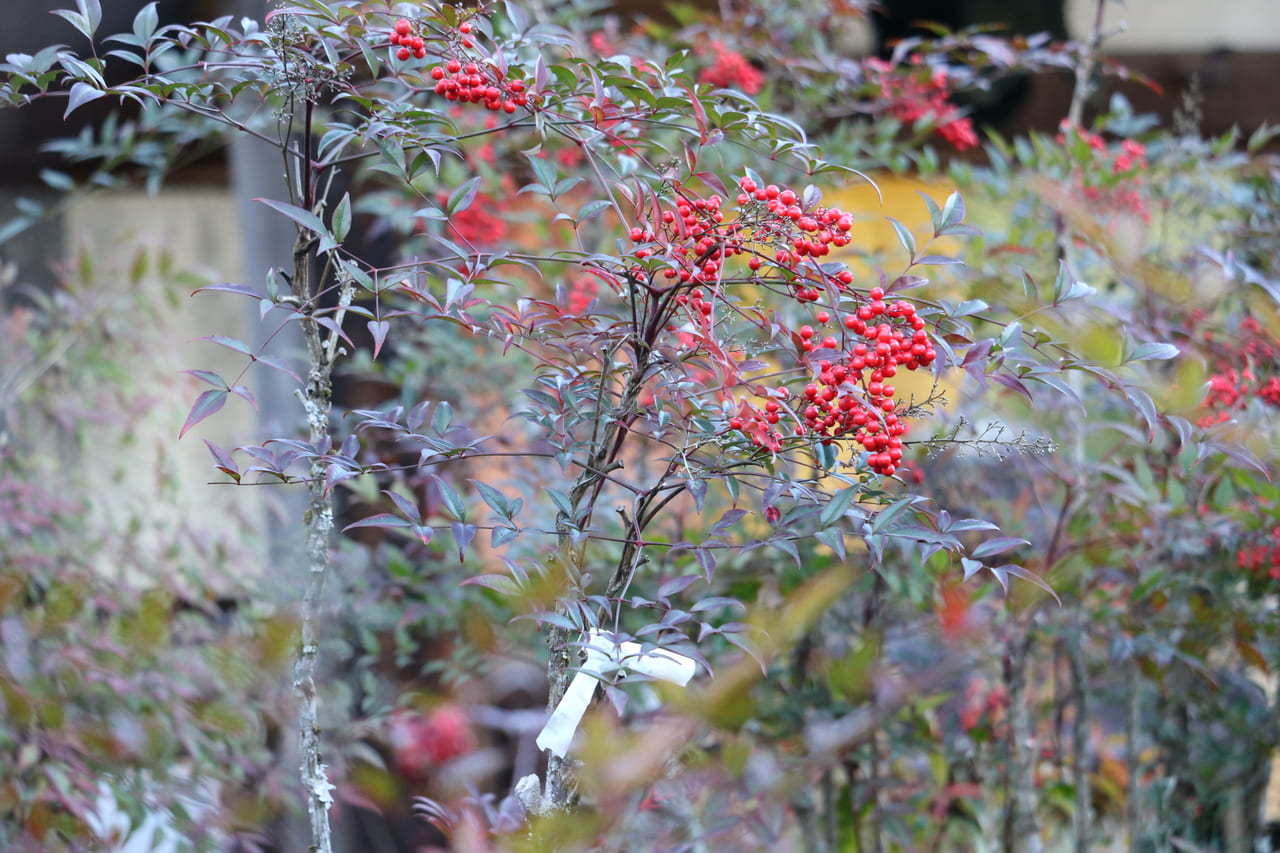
(604,658)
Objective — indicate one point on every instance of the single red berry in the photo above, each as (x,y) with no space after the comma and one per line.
(465,28)
(403,27)
(403,53)
(823,316)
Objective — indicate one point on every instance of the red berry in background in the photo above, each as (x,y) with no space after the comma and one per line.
(422,742)
(465,28)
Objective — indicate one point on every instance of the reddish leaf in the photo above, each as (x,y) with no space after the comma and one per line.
(379,329)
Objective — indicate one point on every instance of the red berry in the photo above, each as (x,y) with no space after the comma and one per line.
(465,28)
(403,53)
(403,27)
(823,316)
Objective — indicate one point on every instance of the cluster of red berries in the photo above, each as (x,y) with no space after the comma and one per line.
(851,395)
(1263,557)
(1239,363)
(422,742)
(582,292)
(784,238)
(480,224)
(473,83)
(1109,177)
(771,223)
(919,92)
(406,43)
(731,70)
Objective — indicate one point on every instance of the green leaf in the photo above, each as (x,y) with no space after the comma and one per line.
(81,94)
(453,504)
(838,505)
(1155,352)
(441,417)
(461,197)
(342,218)
(496,500)
(952,211)
(905,237)
(146,21)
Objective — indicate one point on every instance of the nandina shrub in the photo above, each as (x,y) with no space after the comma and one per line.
(660,405)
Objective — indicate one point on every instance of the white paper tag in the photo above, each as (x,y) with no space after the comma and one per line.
(605,657)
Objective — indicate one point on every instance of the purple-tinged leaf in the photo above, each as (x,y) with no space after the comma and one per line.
(463,534)
(206,404)
(209,377)
(730,518)
(502,584)
(1026,575)
(677,585)
(226,287)
(752,653)
(230,343)
(500,536)
(971,567)
(423,532)
(379,329)
(382,519)
(906,282)
(81,94)
(332,325)
(706,561)
(1142,401)
(997,545)
(716,602)
(224,460)
(1013,383)
(336,474)
(305,219)
(788,547)
(245,394)
(938,261)
(407,508)
(277,363)
(698,491)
